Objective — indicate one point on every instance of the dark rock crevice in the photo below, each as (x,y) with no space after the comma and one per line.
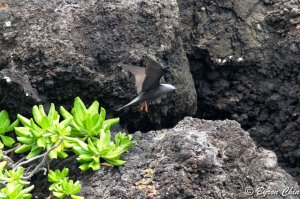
(245,65)
(266,107)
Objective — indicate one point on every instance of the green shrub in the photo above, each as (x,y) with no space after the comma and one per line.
(61,185)
(5,127)
(89,154)
(85,131)
(15,191)
(42,132)
(14,183)
(87,122)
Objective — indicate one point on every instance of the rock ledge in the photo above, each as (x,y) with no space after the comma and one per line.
(195,159)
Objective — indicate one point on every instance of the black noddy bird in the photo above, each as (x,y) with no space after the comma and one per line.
(147,83)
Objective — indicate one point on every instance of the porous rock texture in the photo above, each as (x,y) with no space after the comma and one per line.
(74,48)
(235,59)
(195,159)
(245,60)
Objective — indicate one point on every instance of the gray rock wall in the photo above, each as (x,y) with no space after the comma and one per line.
(73,48)
(244,57)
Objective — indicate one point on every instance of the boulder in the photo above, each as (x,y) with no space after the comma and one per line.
(195,159)
(74,48)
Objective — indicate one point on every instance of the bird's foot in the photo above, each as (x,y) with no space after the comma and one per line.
(144,107)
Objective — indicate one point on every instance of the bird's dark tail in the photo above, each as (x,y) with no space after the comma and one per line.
(133,102)
(120,108)
(129,104)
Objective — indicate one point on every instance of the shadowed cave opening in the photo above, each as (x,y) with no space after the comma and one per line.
(265,106)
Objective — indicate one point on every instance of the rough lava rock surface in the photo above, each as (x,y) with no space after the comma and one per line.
(243,56)
(245,60)
(195,159)
(73,48)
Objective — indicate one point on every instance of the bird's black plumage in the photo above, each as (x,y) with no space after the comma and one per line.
(154,72)
(147,81)
(146,78)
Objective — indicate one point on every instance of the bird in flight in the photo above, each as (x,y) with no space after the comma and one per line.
(147,83)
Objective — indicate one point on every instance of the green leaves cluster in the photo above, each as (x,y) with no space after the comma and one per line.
(87,122)
(89,154)
(15,191)
(15,185)
(42,132)
(11,176)
(83,131)
(93,131)
(5,127)
(61,185)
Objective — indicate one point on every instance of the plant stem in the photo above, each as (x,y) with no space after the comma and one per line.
(39,156)
(39,166)
(11,150)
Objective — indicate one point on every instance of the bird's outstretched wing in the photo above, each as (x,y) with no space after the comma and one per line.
(154,72)
(139,74)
